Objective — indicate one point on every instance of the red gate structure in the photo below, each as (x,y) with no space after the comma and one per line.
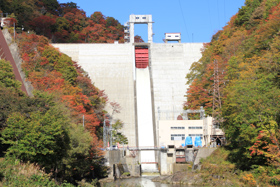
(141,57)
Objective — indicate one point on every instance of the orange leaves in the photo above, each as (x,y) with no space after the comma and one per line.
(198,96)
(25,57)
(49,82)
(44,61)
(249,179)
(77,101)
(267,144)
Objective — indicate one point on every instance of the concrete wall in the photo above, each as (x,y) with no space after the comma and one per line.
(207,122)
(181,167)
(119,164)
(202,153)
(110,67)
(170,63)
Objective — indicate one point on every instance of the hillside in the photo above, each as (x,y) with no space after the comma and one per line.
(62,23)
(61,127)
(247,56)
(50,124)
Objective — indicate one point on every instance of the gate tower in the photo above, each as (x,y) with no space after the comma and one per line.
(141,19)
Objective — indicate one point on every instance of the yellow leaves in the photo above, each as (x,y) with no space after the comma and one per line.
(249,179)
(270,127)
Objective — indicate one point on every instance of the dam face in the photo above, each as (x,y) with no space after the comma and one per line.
(146,95)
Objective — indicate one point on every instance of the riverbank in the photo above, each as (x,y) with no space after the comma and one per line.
(186,177)
(193,179)
(216,170)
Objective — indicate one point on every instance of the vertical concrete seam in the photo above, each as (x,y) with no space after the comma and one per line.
(153,100)
(135,99)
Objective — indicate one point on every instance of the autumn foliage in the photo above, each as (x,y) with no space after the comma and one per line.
(55,73)
(247,51)
(51,71)
(61,127)
(63,23)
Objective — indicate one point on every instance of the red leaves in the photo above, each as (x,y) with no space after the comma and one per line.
(43,25)
(9,22)
(198,96)
(267,144)
(44,61)
(82,97)
(25,57)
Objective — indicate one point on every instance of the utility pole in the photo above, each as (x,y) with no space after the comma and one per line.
(217,103)
(83,120)
(104,133)
(107,131)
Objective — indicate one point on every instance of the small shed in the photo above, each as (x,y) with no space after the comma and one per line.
(173,37)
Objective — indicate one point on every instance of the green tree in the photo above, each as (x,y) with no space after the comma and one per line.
(42,138)
(51,5)
(7,77)
(78,161)
(252,105)
(118,137)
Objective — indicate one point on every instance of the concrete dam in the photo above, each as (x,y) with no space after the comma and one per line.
(146,79)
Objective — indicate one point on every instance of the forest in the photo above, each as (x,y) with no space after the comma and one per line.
(56,136)
(44,135)
(62,23)
(247,56)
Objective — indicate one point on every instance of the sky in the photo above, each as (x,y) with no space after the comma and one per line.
(196,20)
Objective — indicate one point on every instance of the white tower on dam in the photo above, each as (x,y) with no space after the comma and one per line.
(146,79)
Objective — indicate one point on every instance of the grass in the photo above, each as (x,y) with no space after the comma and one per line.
(216,170)
(15,173)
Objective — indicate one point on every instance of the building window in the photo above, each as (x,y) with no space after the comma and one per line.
(143,17)
(178,137)
(177,127)
(168,35)
(137,17)
(195,127)
(176,35)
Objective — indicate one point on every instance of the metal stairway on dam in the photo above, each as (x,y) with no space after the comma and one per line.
(144,109)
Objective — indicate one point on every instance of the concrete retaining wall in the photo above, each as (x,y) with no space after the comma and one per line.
(12,55)
(180,167)
(120,164)
(202,153)
(110,67)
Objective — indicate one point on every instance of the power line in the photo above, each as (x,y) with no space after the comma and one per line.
(184,20)
(218,13)
(210,16)
(225,11)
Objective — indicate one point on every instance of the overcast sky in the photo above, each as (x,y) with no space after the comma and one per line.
(196,20)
